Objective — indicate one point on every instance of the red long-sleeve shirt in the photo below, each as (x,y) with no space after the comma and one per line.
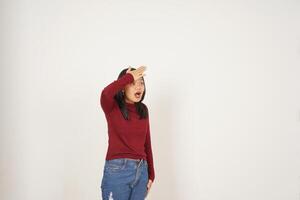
(127,138)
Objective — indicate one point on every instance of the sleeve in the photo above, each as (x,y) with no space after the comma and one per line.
(107,95)
(148,149)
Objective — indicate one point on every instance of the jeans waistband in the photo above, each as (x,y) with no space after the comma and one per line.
(138,161)
(133,159)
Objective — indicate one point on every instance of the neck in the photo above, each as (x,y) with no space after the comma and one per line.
(128,101)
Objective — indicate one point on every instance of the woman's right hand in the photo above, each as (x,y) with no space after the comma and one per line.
(138,73)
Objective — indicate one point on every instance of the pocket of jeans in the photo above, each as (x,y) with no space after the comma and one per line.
(115,164)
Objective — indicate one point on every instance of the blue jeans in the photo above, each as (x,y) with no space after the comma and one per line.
(124,179)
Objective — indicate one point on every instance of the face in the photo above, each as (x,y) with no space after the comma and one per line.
(134,91)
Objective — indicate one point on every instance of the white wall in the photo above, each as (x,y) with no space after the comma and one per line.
(222,88)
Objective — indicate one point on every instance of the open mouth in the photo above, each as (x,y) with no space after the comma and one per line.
(138,94)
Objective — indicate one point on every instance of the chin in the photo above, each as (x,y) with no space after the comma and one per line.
(135,100)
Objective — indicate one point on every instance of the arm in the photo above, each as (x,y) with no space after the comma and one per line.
(107,95)
(148,150)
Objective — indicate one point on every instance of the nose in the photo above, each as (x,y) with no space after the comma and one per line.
(139,86)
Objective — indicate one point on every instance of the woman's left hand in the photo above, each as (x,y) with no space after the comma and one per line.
(149,186)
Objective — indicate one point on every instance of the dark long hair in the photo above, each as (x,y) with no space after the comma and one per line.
(140,107)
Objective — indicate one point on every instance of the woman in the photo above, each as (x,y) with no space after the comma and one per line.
(128,171)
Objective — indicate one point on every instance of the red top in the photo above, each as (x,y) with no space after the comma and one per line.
(127,138)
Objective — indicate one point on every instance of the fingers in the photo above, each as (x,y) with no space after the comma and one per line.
(141,69)
(149,185)
(129,69)
(137,73)
(147,192)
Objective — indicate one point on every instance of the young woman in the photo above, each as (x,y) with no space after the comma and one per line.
(128,171)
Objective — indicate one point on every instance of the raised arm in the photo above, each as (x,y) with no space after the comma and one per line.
(107,95)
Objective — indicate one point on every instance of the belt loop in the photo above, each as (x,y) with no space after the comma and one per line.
(140,162)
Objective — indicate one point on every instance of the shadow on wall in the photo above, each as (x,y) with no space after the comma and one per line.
(161,126)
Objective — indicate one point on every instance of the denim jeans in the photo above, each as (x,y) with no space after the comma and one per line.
(124,179)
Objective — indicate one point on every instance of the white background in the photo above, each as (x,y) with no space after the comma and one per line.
(222,89)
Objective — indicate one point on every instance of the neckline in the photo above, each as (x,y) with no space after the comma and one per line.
(130,104)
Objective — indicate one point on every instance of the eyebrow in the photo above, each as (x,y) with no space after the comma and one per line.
(141,80)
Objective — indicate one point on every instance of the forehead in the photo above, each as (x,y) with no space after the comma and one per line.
(139,80)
